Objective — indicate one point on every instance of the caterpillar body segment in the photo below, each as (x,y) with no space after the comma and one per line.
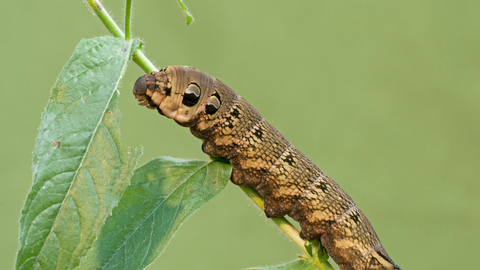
(262,158)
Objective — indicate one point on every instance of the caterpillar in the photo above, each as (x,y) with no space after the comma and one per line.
(262,158)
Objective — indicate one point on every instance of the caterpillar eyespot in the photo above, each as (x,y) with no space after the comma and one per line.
(262,158)
(192,95)
(212,105)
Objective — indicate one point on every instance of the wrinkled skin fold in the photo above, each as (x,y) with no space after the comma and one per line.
(262,158)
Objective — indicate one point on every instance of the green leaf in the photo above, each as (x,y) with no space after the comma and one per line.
(163,194)
(322,256)
(187,13)
(80,169)
(316,251)
(298,264)
(309,247)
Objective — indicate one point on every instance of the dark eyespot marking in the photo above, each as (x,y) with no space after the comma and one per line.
(192,95)
(213,104)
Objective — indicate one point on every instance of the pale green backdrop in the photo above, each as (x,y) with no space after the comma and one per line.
(383,95)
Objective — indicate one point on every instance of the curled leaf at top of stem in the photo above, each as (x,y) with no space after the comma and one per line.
(187,13)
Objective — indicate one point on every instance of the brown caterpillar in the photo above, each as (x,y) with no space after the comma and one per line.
(262,158)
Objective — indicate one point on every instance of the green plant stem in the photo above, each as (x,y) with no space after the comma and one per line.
(144,63)
(138,56)
(286,227)
(128,14)
(105,18)
(282,222)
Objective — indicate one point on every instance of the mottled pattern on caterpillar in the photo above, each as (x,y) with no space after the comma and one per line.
(262,158)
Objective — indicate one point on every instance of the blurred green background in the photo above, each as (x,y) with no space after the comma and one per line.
(384,96)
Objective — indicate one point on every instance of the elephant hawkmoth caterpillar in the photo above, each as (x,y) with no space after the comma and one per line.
(262,158)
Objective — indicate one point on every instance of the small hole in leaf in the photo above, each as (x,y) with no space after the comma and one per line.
(191,190)
(56,144)
(108,116)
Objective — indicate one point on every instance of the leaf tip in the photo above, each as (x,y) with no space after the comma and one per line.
(190,18)
(187,13)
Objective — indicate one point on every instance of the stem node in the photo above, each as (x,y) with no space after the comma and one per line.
(138,56)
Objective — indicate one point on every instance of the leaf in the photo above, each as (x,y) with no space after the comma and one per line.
(322,256)
(163,194)
(80,169)
(316,251)
(298,264)
(187,13)
(309,247)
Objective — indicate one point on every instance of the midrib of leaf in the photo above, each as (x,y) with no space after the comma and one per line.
(152,212)
(86,152)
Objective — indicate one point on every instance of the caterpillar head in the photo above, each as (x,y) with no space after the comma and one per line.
(184,94)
